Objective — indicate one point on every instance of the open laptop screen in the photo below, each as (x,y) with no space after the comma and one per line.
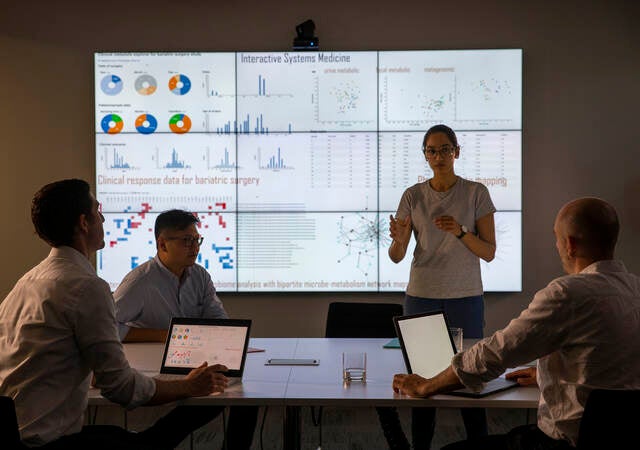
(426,344)
(427,347)
(190,342)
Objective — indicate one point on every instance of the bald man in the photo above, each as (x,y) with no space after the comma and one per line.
(582,328)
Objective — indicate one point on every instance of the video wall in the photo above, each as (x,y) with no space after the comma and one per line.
(293,161)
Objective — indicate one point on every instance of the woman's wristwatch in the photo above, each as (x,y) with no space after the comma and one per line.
(463,231)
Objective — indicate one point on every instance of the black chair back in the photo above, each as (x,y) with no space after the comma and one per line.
(609,420)
(9,432)
(362,320)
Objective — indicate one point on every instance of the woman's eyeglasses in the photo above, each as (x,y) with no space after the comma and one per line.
(445,151)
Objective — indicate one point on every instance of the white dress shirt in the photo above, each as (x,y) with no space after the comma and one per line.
(58,325)
(584,329)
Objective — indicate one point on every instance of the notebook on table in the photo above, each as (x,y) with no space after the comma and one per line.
(190,342)
(427,348)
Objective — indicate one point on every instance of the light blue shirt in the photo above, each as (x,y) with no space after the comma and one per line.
(150,295)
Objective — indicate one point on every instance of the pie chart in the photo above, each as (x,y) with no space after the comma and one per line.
(179,84)
(180,123)
(112,124)
(111,84)
(145,84)
(146,124)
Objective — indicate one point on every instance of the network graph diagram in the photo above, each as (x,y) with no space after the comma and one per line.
(359,236)
(280,260)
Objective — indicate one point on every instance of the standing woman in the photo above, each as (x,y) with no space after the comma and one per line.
(452,221)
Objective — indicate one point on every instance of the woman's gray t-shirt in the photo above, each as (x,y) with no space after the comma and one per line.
(442,266)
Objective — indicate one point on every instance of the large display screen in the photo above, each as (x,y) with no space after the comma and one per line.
(293,161)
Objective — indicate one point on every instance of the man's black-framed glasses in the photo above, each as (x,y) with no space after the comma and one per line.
(188,241)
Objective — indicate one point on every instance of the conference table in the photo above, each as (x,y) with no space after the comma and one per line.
(294,387)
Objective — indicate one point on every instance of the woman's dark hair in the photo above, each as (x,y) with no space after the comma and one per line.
(56,208)
(440,129)
(174,219)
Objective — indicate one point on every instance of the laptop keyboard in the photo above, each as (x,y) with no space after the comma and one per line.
(174,376)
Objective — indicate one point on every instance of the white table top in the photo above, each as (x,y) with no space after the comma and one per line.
(322,384)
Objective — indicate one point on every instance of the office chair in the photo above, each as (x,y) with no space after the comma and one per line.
(9,432)
(609,420)
(369,320)
(362,320)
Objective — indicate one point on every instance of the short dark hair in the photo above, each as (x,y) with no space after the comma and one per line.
(174,219)
(440,129)
(56,208)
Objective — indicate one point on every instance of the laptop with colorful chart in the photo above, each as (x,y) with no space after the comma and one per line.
(427,348)
(190,342)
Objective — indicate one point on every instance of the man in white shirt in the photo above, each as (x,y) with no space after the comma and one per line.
(173,285)
(583,328)
(57,326)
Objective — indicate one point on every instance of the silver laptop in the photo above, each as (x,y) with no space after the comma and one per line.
(190,342)
(427,348)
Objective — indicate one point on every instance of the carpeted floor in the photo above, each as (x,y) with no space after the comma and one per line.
(342,429)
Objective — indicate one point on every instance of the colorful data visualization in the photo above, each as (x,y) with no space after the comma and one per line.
(293,161)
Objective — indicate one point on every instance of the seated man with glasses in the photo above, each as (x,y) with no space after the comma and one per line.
(173,285)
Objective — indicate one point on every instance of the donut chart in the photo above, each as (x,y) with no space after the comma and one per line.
(111,84)
(179,84)
(112,124)
(146,124)
(145,84)
(180,123)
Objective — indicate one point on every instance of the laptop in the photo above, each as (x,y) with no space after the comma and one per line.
(190,342)
(427,348)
